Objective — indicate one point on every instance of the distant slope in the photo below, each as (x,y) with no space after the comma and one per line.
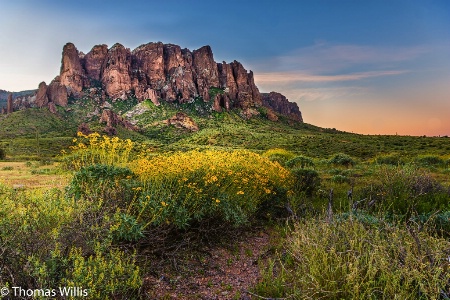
(4,95)
(36,132)
(27,123)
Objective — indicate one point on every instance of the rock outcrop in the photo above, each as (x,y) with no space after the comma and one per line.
(116,71)
(9,104)
(71,74)
(155,71)
(41,95)
(57,92)
(112,120)
(160,72)
(206,72)
(143,93)
(93,63)
(281,105)
(182,120)
(247,92)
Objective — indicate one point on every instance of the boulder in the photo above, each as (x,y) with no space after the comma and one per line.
(182,120)
(84,129)
(52,107)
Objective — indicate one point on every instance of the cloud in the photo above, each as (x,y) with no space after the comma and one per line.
(292,77)
(323,57)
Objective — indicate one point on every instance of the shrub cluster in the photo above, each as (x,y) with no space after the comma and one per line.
(405,190)
(342,159)
(349,260)
(229,186)
(279,155)
(49,240)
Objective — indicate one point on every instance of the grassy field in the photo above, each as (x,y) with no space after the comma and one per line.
(32,175)
(165,213)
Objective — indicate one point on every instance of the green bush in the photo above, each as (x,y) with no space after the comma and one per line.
(390,159)
(300,161)
(351,260)
(340,179)
(405,190)
(103,183)
(2,153)
(41,172)
(33,225)
(342,159)
(105,273)
(306,181)
(430,161)
(279,155)
(436,222)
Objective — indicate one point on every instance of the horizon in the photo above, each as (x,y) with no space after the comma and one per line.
(368,67)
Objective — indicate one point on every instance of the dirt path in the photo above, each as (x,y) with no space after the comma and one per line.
(225,272)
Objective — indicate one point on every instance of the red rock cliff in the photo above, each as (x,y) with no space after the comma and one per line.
(160,71)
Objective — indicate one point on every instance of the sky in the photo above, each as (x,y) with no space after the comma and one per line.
(362,66)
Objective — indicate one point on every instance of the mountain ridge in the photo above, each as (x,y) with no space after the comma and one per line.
(159,72)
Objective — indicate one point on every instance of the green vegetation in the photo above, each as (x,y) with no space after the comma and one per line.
(352,216)
(349,259)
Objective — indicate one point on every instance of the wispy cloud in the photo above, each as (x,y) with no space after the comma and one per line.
(323,57)
(323,94)
(292,77)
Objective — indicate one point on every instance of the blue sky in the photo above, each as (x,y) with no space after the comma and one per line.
(362,66)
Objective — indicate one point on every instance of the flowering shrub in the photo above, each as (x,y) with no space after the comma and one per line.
(93,148)
(173,189)
(194,185)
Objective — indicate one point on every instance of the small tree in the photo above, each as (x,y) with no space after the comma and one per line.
(2,153)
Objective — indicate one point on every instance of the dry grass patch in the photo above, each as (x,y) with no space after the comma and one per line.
(31,175)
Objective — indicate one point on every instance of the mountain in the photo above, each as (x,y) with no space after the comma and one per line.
(4,96)
(159,72)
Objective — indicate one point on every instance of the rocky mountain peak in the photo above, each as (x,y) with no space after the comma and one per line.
(160,72)
(281,104)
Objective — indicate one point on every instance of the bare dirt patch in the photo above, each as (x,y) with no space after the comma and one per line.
(217,272)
